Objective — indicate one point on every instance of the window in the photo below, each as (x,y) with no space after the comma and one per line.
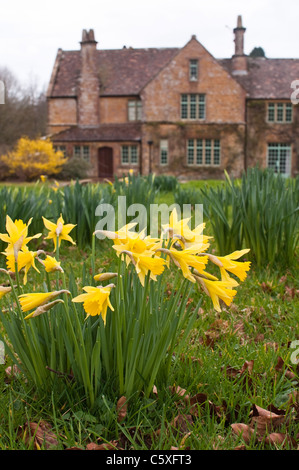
(129,155)
(193,106)
(134,110)
(280,112)
(279,158)
(193,70)
(82,151)
(163,152)
(203,152)
(60,148)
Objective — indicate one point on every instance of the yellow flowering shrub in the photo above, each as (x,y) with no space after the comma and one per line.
(33,158)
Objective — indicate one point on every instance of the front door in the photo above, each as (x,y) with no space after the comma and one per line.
(105,162)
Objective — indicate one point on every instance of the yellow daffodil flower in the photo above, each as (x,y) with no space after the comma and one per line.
(51,264)
(218,290)
(25,259)
(17,234)
(96,300)
(186,259)
(35,300)
(141,251)
(4,290)
(177,227)
(186,237)
(229,263)
(59,231)
(145,264)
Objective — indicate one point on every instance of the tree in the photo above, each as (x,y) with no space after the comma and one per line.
(23,113)
(32,158)
(257,52)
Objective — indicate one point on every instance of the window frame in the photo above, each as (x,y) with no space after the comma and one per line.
(130,148)
(284,161)
(193,70)
(193,106)
(164,152)
(279,112)
(80,151)
(203,152)
(134,106)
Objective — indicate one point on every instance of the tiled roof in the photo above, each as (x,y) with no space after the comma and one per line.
(267,78)
(125,72)
(121,72)
(103,133)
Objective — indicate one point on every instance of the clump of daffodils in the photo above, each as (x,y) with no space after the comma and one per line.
(125,330)
(187,250)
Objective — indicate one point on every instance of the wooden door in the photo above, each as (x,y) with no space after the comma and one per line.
(105,162)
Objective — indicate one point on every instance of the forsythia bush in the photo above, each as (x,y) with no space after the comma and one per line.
(33,158)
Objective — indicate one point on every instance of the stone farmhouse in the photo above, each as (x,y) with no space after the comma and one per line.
(177,111)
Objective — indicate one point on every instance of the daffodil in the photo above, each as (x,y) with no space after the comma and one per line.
(142,252)
(17,234)
(96,300)
(177,227)
(4,290)
(186,259)
(51,264)
(120,236)
(59,231)
(43,308)
(55,186)
(104,276)
(36,299)
(229,263)
(25,259)
(218,290)
(146,263)
(180,230)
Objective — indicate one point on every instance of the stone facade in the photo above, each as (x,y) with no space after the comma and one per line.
(176,111)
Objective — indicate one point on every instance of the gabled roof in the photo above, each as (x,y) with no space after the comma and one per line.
(125,72)
(122,72)
(267,78)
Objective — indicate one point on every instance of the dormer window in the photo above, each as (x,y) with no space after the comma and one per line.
(134,110)
(193,70)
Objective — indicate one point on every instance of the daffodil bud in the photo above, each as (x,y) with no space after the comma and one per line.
(104,276)
(43,308)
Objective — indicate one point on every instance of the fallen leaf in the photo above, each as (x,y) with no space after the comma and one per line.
(40,434)
(243,430)
(280,439)
(281,367)
(121,408)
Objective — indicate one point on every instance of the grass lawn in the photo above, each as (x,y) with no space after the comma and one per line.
(236,374)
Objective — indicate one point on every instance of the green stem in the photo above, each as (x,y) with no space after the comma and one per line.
(57,257)
(17,277)
(93,256)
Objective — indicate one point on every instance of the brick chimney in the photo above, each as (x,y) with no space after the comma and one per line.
(239,59)
(89,87)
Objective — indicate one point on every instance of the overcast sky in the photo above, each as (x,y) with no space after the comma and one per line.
(32,31)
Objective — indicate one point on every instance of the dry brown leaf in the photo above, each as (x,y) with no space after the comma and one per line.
(40,434)
(181,392)
(280,439)
(112,445)
(243,430)
(121,408)
(182,423)
(281,367)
